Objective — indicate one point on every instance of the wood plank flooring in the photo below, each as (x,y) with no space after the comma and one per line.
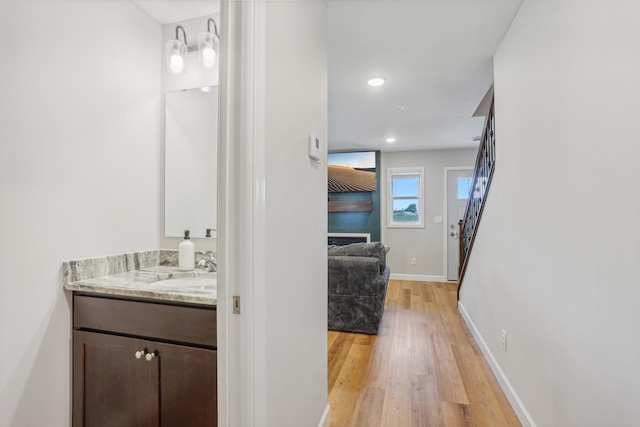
(422,369)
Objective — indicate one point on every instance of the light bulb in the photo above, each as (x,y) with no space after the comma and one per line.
(208,57)
(175,53)
(207,46)
(376,81)
(176,64)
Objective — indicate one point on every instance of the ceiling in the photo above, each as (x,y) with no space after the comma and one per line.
(436,57)
(170,11)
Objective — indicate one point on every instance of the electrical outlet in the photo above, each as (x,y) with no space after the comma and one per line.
(413,261)
(504,340)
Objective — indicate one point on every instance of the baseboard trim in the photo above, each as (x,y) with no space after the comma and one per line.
(417,277)
(325,421)
(517,405)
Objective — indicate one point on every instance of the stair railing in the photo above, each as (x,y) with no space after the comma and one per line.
(482,174)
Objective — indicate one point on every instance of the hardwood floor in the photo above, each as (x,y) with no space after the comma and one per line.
(422,369)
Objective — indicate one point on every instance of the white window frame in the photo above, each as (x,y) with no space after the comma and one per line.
(393,172)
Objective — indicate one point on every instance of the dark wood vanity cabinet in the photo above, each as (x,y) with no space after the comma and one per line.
(145,364)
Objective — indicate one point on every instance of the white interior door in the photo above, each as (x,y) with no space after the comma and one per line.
(458,186)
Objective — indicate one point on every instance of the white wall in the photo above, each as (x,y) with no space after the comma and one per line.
(295,304)
(425,244)
(273,214)
(79,177)
(555,261)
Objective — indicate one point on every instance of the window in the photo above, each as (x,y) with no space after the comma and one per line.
(406,204)
(464,188)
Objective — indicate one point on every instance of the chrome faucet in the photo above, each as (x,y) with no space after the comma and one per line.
(209,261)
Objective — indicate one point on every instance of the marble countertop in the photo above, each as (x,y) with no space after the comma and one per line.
(147,281)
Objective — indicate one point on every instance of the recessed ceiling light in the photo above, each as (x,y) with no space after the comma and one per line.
(376,81)
(390,140)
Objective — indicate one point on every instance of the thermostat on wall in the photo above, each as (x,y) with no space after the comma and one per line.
(314,147)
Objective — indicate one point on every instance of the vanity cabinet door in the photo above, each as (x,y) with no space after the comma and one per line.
(151,381)
(188,386)
(112,387)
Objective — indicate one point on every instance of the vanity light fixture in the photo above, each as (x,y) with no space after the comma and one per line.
(176,52)
(208,45)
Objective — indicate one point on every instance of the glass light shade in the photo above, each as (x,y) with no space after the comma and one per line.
(176,51)
(207,49)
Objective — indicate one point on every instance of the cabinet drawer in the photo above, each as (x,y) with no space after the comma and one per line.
(190,325)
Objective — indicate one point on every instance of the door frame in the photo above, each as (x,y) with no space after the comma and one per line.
(445,219)
(241,205)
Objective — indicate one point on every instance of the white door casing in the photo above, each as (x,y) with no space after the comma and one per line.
(241,205)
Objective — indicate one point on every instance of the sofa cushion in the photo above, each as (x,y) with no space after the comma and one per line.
(375,250)
(355,314)
(356,276)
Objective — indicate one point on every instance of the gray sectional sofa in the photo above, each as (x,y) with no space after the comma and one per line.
(358,279)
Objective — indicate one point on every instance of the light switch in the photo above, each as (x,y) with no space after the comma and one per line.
(438,220)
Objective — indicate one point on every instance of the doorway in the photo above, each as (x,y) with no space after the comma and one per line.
(458,185)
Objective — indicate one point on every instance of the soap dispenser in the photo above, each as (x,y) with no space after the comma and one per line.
(186,256)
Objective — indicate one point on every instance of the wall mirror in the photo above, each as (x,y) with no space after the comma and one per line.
(191,147)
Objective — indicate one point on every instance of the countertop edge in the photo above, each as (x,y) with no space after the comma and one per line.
(170,296)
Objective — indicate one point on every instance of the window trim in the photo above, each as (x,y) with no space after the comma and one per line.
(391,173)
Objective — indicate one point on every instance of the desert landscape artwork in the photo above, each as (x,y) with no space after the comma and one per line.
(349,172)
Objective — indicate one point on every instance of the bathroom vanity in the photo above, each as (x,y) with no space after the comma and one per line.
(144,348)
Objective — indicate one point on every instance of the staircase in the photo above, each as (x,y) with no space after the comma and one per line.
(482,174)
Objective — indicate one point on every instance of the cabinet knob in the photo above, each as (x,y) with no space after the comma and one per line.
(150,356)
(139,354)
